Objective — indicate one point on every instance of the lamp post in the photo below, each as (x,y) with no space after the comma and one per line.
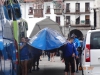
(64,20)
(64,26)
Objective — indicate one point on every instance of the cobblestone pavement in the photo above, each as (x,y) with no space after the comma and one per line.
(51,68)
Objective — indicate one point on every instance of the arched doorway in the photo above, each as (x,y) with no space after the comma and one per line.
(77,32)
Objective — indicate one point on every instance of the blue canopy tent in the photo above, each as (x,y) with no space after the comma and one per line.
(47,39)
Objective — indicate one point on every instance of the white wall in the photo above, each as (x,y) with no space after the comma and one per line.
(25,8)
(52,15)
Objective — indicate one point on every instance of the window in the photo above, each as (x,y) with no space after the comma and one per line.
(67,7)
(87,6)
(87,19)
(77,7)
(38,11)
(48,9)
(58,19)
(30,10)
(40,6)
(95,40)
(77,19)
(68,19)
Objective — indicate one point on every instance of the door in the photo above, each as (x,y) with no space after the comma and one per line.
(87,19)
(87,6)
(77,19)
(95,49)
(67,19)
(67,7)
(58,19)
(77,7)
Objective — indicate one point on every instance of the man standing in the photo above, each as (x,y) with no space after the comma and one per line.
(69,53)
(77,46)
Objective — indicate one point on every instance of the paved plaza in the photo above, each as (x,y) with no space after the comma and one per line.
(51,68)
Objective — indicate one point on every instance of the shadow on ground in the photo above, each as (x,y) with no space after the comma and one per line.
(49,71)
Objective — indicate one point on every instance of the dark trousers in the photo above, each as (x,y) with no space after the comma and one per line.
(77,63)
(78,60)
(48,56)
(33,63)
(36,60)
(69,60)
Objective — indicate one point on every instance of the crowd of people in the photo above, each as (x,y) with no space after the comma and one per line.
(30,56)
(70,53)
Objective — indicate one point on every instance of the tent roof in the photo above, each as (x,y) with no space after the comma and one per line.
(46,23)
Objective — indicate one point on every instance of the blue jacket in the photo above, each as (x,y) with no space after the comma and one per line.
(24,51)
(84,42)
(76,43)
(69,50)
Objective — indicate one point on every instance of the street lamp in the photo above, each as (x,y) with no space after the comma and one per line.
(64,26)
(69,26)
(64,21)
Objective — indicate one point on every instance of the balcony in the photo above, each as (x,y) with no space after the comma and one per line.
(38,13)
(87,11)
(58,11)
(80,24)
(67,11)
(73,11)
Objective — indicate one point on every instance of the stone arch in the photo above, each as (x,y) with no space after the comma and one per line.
(77,32)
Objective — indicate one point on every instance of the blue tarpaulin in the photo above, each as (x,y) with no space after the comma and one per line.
(47,39)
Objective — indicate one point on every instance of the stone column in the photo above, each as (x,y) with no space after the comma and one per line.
(98,18)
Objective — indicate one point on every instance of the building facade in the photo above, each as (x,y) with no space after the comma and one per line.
(80,15)
(77,13)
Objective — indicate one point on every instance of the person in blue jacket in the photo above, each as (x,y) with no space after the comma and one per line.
(77,45)
(69,53)
(24,56)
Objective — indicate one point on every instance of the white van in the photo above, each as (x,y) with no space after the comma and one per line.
(91,53)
